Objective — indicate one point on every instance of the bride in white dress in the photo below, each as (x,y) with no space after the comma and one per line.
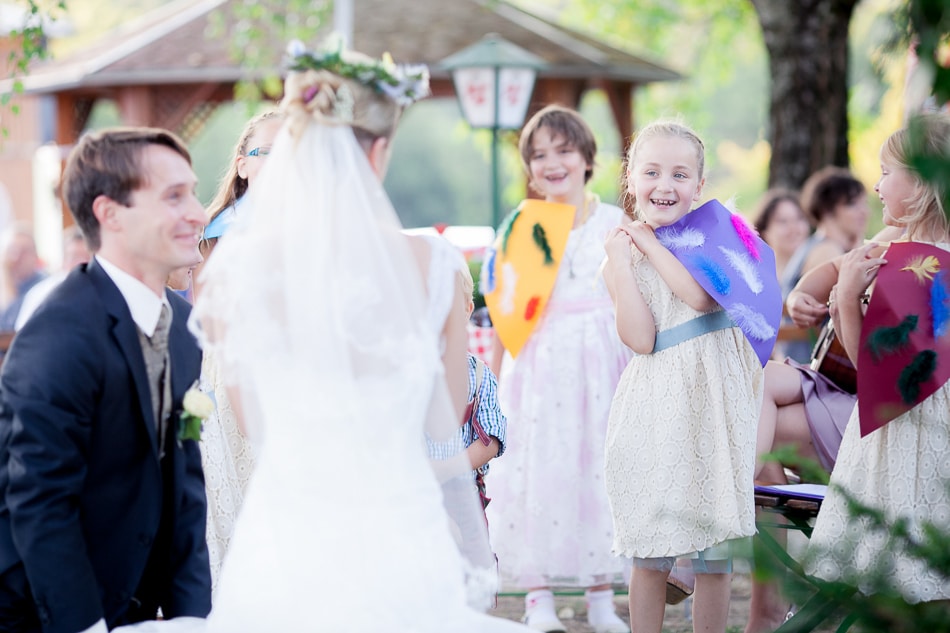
(317,308)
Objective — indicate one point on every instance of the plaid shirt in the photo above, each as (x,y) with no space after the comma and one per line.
(489,415)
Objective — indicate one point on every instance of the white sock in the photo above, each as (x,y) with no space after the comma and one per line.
(539,606)
(601,610)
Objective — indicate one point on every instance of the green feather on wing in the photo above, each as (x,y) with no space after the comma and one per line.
(505,229)
(891,340)
(541,239)
(918,371)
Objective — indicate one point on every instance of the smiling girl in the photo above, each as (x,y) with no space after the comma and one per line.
(549,516)
(681,438)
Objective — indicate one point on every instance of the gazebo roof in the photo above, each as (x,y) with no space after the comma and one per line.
(177,44)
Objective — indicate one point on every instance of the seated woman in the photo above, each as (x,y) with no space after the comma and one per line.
(836,205)
(782,223)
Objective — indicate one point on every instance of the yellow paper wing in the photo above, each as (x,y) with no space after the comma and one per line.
(521,270)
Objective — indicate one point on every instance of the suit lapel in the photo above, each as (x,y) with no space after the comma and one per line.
(180,345)
(126,336)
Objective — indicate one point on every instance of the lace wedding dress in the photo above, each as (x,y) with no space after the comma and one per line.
(227,461)
(323,326)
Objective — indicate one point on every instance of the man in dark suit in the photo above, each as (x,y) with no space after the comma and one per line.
(102,513)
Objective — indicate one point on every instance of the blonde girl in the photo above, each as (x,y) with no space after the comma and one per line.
(681,437)
(901,468)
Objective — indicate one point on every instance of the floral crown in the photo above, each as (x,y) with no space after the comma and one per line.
(402,83)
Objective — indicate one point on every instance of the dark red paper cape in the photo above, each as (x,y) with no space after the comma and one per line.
(888,386)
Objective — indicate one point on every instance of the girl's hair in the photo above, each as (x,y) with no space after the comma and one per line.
(465,281)
(233,186)
(927,135)
(562,122)
(664,128)
(769,204)
(826,189)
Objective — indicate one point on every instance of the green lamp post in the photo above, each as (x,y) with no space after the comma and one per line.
(493,81)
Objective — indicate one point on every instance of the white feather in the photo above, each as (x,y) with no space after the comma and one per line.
(509,283)
(751,322)
(731,204)
(746,268)
(678,240)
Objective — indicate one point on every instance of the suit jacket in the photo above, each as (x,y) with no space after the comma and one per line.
(101,525)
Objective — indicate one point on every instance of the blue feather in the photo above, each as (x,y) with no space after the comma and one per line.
(940,304)
(714,273)
(486,280)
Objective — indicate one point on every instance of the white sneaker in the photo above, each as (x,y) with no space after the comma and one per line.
(539,612)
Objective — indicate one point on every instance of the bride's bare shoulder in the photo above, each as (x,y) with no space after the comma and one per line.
(421,248)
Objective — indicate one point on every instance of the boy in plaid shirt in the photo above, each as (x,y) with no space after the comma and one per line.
(483,433)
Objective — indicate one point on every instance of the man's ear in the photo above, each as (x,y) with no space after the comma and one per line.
(379,156)
(104,208)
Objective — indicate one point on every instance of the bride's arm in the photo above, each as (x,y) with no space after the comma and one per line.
(454,331)
(455,358)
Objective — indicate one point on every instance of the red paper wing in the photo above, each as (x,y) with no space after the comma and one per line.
(900,362)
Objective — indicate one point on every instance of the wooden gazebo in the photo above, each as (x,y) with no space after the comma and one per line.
(171,68)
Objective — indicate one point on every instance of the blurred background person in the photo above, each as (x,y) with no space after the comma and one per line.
(781,222)
(783,225)
(22,270)
(75,252)
(836,204)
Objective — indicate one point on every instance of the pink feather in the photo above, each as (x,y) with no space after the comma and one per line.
(747,235)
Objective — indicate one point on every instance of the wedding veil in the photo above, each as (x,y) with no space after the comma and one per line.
(314,306)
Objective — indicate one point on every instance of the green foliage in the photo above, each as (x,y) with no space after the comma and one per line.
(717,46)
(929,21)
(439,170)
(809,470)
(925,24)
(32,36)
(933,166)
(475,267)
(877,608)
(258,33)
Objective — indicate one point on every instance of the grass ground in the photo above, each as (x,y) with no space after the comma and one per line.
(677,616)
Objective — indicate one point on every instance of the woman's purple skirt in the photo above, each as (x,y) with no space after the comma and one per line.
(827,409)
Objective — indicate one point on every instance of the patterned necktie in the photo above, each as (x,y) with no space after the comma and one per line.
(155,349)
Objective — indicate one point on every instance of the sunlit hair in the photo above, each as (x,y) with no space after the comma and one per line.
(562,122)
(666,128)
(769,204)
(233,185)
(828,188)
(466,284)
(927,135)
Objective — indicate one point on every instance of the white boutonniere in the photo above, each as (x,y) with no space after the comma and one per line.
(197,406)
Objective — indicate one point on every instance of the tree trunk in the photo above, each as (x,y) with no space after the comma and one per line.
(807,41)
